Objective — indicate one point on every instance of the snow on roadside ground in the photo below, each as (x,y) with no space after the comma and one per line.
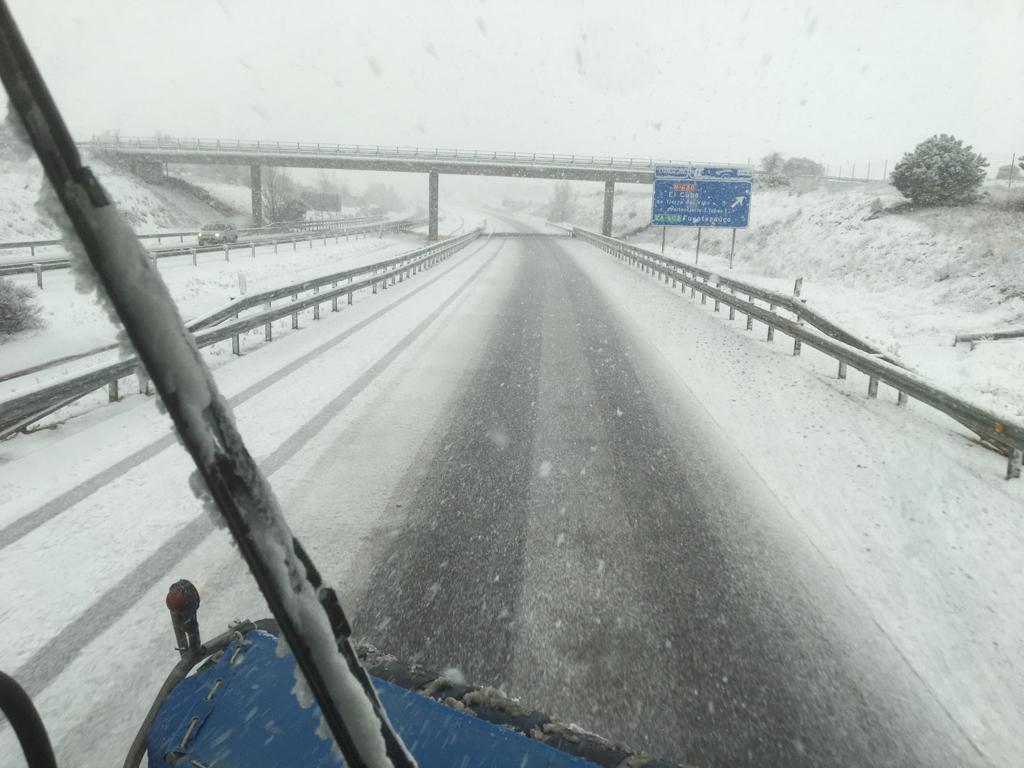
(293,383)
(908,281)
(916,519)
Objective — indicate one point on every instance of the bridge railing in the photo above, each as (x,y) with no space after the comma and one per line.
(259,147)
(1005,435)
(20,411)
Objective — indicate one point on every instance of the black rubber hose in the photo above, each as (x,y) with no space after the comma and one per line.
(28,726)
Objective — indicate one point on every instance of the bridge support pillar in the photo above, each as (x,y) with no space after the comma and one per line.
(609,206)
(256,185)
(432,207)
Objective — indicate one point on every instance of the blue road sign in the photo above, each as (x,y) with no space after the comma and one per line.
(702,196)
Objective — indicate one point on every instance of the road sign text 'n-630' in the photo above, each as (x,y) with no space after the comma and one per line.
(702,196)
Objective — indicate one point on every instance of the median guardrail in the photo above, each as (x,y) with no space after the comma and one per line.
(298,226)
(20,411)
(995,430)
(308,235)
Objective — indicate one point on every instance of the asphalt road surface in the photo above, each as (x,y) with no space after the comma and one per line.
(569,536)
(500,476)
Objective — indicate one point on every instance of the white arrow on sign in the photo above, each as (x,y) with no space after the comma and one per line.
(738,201)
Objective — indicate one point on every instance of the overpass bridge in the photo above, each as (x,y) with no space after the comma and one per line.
(363,157)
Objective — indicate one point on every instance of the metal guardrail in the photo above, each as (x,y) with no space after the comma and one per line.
(993,429)
(297,226)
(525,234)
(20,411)
(310,234)
(801,310)
(33,244)
(567,228)
(974,338)
(192,325)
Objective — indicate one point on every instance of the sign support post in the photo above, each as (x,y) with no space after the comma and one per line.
(696,258)
(663,240)
(732,249)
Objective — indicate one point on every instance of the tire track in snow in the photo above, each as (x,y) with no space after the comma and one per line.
(24,525)
(61,650)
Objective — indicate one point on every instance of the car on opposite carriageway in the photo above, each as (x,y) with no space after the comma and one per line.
(217,233)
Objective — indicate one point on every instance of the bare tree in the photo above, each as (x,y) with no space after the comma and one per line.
(772,164)
(562,206)
(278,193)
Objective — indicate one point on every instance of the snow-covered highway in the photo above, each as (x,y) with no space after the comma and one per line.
(535,465)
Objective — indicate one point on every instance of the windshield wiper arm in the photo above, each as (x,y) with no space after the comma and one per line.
(308,612)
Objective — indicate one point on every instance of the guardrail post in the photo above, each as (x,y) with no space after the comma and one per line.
(350,297)
(316,307)
(113,395)
(334,299)
(1013,465)
(310,242)
(797,286)
(227,252)
(872,386)
(716,305)
(275,246)
(268,331)
(842,370)
(295,321)
(901,398)
(797,344)
(39,275)
(252,250)
(31,251)
(732,309)
(195,261)
(236,346)
(294,246)
(771,333)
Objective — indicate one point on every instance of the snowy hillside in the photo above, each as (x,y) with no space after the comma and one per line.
(906,279)
(855,235)
(149,207)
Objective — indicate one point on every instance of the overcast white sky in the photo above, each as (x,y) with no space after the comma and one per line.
(838,81)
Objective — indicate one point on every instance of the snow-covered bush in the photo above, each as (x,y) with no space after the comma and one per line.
(18,311)
(940,171)
(802,166)
(1008,172)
